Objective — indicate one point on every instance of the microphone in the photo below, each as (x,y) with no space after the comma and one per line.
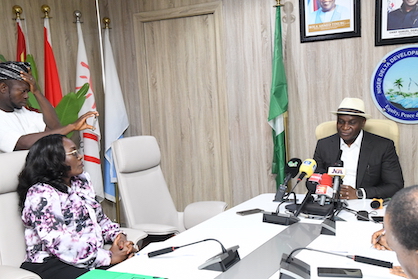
(291,170)
(221,262)
(379,203)
(324,189)
(173,248)
(371,261)
(356,258)
(313,181)
(163,251)
(307,168)
(338,173)
(338,162)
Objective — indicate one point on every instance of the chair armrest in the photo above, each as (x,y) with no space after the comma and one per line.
(198,212)
(11,272)
(156,229)
(134,235)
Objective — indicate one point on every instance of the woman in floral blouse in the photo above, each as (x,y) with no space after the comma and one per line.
(65,227)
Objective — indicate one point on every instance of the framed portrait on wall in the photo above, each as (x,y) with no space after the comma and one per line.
(329,19)
(396,22)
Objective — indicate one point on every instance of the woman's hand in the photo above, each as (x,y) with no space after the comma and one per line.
(121,249)
(379,240)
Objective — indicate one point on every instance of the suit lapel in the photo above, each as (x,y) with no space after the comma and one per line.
(365,152)
(335,148)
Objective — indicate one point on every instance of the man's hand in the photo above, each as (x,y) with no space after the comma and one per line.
(30,80)
(379,240)
(81,123)
(397,270)
(348,193)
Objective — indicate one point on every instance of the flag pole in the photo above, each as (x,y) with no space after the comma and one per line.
(286,114)
(278,4)
(278,102)
(106,22)
(99,27)
(18,11)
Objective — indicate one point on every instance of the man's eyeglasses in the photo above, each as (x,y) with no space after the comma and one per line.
(76,153)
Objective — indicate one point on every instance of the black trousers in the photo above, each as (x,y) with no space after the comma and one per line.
(53,268)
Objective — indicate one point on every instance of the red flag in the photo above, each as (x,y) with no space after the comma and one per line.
(21,43)
(52,81)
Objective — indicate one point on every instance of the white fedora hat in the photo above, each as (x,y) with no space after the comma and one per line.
(352,106)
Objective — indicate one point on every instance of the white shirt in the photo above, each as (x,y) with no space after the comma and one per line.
(15,124)
(350,157)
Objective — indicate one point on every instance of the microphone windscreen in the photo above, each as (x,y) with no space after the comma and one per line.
(376,203)
(308,167)
(292,166)
(315,177)
(311,185)
(379,203)
(313,181)
(336,171)
(326,180)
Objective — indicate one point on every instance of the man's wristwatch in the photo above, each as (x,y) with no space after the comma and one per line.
(359,193)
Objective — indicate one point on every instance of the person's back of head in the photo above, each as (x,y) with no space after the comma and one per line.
(403,212)
(401,225)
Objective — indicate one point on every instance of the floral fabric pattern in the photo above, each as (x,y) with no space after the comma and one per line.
(70,226)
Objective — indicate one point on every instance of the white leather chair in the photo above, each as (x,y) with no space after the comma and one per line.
(145,197)
(12,240)
(382,127)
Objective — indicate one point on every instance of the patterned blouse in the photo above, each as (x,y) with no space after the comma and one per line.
(71,227)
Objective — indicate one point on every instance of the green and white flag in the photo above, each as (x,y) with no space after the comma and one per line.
(278,103)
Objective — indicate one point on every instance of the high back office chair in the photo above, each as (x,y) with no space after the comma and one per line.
(382,127)
(146,199)
(12,240)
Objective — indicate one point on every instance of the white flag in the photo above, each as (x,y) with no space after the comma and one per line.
(116,118)
(89,140)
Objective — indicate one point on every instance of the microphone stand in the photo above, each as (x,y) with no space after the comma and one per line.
(328,226)
(292,268)
(282,218)
(220,262)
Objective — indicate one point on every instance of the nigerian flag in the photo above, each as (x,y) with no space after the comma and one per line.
(278,103)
